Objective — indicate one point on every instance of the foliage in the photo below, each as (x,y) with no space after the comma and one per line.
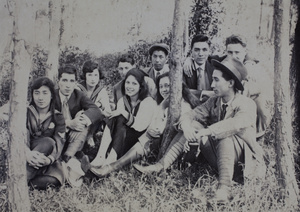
(205,18)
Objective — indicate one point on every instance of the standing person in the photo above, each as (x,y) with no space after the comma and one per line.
(125,63)
(78,110)
(150,142)
(129,121)
(224,127)
(159,53)
(46,137)
(199,78)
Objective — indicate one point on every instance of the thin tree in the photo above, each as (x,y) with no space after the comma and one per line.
(18,197)
(175,74)
(283,118)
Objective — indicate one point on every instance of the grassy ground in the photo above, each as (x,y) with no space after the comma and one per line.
(172,190)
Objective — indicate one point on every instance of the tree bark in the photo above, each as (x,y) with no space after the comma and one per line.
(55,18)
(17,180)
(283,118)
(175,75)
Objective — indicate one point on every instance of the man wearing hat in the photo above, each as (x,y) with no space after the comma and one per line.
(223,127)
(159,53)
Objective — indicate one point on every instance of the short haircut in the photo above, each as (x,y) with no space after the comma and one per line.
(139,75)
(126,58)
(67,69)
(88,67)
(235,39)
(200,38)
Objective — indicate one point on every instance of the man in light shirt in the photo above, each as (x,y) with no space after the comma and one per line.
(200,78)
(78,110)
(159,53)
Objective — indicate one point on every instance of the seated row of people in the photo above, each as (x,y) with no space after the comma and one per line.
(135,126)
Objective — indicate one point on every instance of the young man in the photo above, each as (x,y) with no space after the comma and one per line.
(125,63)
(159,53)
(224,129)
(78,110)
(258,85)
(199,78)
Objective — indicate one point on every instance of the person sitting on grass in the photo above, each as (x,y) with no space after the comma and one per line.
(129,121)
(46,137)
(149,143)
(224,128)
(78,110)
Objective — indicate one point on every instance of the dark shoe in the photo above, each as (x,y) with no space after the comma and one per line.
(85,163)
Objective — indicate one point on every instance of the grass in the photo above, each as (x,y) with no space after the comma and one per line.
(171,190)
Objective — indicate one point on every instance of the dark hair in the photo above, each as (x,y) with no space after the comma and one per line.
(139,75)
(200,38)
(44,81)
(67,69)
(126,58)
(88,67)
(186,93)
(235,39)
(228,77)
(159,98)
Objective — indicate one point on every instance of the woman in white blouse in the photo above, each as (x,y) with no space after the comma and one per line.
(149,142)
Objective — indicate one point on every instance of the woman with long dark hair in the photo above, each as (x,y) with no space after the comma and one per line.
(149,143)
(46,137)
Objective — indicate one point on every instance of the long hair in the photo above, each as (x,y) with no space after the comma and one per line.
(44,81)
(186,93)
(139,75)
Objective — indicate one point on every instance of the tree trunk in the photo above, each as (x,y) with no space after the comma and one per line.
(283,119)
(55,16)
(17,180)
(175,75)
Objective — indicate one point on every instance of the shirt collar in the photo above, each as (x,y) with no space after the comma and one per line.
(228,103)
(63,97)
(162,71)
(201,66)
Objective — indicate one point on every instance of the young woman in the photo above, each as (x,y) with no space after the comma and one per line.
(46,137)
(149,142)
(95,90)
(128,122)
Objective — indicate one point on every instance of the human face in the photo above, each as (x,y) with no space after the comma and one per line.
(237,51)
(200,52)
(92,78)
(67,84)
(164,87)
(159,59)
(42,97)
(123,68)
(132,86)
(220,86)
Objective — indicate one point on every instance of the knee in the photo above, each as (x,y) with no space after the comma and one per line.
(44,145)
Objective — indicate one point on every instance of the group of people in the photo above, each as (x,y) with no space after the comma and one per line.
(223,113)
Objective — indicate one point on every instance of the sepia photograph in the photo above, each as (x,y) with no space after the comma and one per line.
(149,105)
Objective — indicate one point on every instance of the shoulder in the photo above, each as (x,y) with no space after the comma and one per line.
(244,100)
(148,100)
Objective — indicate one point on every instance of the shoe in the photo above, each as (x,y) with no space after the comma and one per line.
(74,173)
(148,169)
(85,164)
(221,196)
(101,172)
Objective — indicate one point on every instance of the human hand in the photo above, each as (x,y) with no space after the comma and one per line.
(115,113)
(187,66)
(154,132)
(78,123)
(37,159)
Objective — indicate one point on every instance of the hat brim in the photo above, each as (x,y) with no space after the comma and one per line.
(223,68)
